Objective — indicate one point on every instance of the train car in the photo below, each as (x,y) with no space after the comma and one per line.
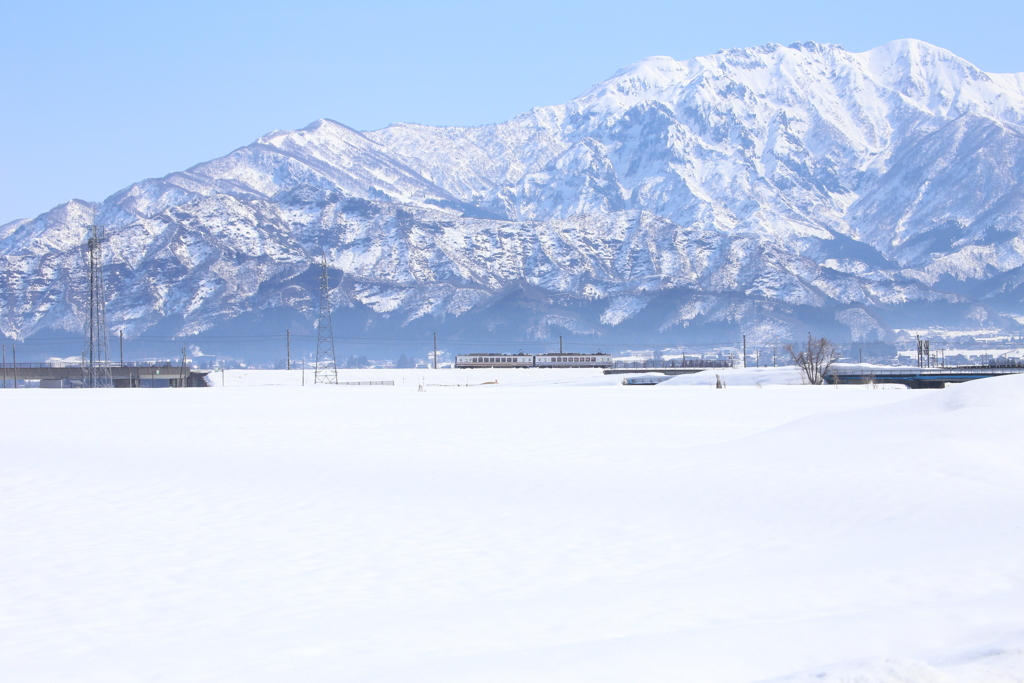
(573,360)
(494,360)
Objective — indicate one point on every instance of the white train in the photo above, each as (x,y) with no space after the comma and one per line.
(541,360)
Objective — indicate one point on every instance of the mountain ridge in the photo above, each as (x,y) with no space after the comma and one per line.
(762,188)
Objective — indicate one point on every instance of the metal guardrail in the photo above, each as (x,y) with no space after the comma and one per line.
(932,372)
(918,378)
(61,365)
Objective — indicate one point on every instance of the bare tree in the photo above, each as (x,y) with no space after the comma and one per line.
(816,360)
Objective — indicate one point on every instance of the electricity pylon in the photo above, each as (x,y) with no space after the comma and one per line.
(96,355)
(326,362)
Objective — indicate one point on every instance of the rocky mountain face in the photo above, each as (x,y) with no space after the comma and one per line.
(769,190)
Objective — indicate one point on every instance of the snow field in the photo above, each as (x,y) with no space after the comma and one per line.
(556,526)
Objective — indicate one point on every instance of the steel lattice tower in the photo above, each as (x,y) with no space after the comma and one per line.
(96,355)
(326,362)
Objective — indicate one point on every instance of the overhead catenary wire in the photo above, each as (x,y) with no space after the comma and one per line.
(58,346)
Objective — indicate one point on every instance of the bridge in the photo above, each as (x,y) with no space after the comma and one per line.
(666,367)
(917,378)
(51,375)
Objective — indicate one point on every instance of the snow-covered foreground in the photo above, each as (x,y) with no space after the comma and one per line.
(556,526)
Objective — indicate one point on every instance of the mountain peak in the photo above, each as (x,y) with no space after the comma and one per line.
(807,177)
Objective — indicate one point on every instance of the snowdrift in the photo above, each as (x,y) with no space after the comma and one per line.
(506,532)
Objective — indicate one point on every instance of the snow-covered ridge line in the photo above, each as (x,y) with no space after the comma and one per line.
(770,188)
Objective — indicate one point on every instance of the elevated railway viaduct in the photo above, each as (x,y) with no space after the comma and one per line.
(124,376)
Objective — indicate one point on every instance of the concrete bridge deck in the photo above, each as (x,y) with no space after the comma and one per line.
(918,378)
(133,375)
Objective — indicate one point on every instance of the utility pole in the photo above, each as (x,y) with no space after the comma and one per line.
(14,353)
(860,355)
(5,366)
(773,357)
(435,350)
(120,335)
(181,374)
(560,344)
(288,337)
(757,361)
(744,350)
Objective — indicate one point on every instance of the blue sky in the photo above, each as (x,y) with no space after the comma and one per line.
(98,95)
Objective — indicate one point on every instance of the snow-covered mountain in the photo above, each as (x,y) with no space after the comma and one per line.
(770,189)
